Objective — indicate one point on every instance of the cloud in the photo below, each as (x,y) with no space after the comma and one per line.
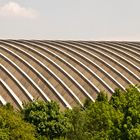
(13,9)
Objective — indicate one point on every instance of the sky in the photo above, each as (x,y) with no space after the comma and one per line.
(70,19)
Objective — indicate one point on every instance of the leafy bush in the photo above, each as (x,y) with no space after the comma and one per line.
(117,118)
(47,118)
(12,126)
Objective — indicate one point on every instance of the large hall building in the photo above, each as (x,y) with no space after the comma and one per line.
(67,72)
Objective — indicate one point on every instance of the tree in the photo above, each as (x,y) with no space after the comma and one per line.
(77,118)
(128,102)
(103,121)
(47,118)
(114,119)
(102,97)
(13,127)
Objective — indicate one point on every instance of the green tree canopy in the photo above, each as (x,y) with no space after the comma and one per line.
(47,118)
(128,102)
(114,119)
(12,127)
(104,119)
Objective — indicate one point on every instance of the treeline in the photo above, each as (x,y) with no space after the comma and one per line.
(117,118)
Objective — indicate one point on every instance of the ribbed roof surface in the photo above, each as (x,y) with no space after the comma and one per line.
(65,71)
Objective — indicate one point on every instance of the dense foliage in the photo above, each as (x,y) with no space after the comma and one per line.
(114,119)
(47,118)
(12,127)
(117,118)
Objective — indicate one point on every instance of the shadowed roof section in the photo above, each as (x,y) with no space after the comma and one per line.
(67,72)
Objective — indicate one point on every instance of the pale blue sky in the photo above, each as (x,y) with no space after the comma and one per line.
(70,19)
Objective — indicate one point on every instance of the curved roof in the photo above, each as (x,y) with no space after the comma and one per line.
(65,71)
